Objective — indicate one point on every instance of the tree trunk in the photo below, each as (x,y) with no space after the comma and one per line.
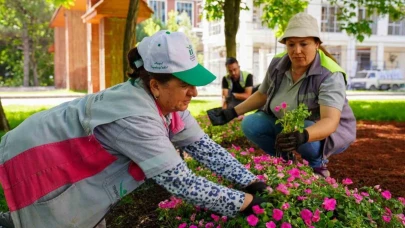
(26,51)
(4,125)
(130,33)
(34,70)
(231,18)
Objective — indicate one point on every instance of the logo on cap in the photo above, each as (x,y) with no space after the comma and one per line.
(191,52)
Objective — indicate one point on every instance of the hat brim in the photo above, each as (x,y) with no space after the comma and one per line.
(298,32)
(197,76)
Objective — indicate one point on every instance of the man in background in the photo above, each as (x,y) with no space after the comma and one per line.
(237,86)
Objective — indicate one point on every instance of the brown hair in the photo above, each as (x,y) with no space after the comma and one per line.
(317,40)
(140,72)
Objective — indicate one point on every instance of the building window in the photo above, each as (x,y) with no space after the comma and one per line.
(396,27)
(257,17)
(363,15)
(186,7)
(329,22)
(215,28)
(159,9)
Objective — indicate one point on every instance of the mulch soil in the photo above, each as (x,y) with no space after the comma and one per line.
(377,157)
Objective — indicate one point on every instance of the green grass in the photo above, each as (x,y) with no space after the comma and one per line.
(42,93)
(379,110)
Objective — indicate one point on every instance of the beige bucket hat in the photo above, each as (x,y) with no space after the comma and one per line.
(301,25)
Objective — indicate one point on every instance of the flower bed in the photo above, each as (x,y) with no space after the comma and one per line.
(296,198)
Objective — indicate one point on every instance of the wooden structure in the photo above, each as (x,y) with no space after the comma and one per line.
(88,44)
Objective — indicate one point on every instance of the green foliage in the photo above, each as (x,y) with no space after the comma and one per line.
(17,16)
(215,9)
(293,120)
(277,13)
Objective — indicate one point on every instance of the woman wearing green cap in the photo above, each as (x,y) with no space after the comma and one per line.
(68,166)
(305,73)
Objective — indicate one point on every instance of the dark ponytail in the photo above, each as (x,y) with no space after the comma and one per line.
(139,72)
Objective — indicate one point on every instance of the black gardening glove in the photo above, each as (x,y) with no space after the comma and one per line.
(256,187)
(256,201)
(220,116)
(287,142)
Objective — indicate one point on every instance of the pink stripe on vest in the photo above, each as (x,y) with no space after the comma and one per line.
(42,169)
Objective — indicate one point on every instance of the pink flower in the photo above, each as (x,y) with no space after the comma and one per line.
(209,225)
(236,147)
(215,217)
(277,214)
(257,210)
(247,166)
(358,198)
(402,200)
(329,204)
(183,225)
(306,214)
(224,218)
(294,172)
(252,220)
(317,216)
(270,224)
(286,225)
(285,206)
(192,217)
(386,218)
(308,191)
(259,167)
(283,105)
(301,198)
(283,189)
(347,181)
(386,194)
(193,226)
(251,150)
(244,153)
(277,108)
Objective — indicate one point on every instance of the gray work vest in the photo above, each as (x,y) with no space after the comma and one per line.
(55,173)
(321,68)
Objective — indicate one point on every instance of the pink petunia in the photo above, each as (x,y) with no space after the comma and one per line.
(286,225)
(270,224)
(277,214)
(294,172)
(285,206)
(402,200)
(306,214)
(283,189)
(347,181)
(209,225)
(192,217)
(317,216)
(251,150)
(193,226)
(257,210)
(283,105)
(252,220)
(183,225)
(224,218)
(236,147)
(386,218)
(308,191)
(386,194)
(244,153)
(215,217)
(329,204)
(277,108)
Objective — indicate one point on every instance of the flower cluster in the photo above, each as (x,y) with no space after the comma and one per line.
(292,120)
(296,198)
